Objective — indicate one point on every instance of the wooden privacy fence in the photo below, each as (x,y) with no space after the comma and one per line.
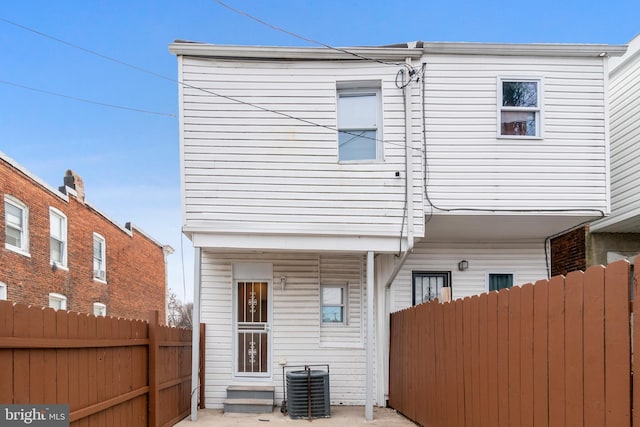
(553,353)
(111,372)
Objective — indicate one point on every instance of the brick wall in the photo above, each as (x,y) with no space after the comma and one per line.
(568,252)
(135,267)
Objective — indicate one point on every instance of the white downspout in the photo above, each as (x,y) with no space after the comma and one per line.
(408,157)
(195,334)
(369,368)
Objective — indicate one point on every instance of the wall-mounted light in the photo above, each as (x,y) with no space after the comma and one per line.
(283,282)
(463,265)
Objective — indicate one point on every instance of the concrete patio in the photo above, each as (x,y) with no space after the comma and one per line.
(347,416)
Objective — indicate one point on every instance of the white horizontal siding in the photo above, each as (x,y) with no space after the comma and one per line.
(470,167)
(625,141)
(526,260)
(297,334)
(248,169)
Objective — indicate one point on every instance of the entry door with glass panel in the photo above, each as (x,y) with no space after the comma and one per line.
(252,325)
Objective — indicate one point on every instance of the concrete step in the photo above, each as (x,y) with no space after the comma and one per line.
(251,392)
(248,406)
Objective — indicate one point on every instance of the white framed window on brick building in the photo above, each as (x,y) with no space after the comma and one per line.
(99,309)
(16,219)
(3,291)
(519,108)
(58,234)
(99,257)
(359,124)
(57,301)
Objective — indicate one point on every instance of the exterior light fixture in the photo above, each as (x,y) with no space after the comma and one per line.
(463,265)
(283,282)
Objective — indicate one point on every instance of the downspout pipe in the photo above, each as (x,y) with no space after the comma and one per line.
(195,333)
(408,157)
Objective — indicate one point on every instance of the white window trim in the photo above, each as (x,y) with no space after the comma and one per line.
(60,298)
(65,236)
(539,110)
(24,250)
(3,291)
(101,308)
(345,305)
(361,88)
(98,278)
(486,284)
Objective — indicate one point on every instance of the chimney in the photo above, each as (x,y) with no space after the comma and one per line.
(72,180)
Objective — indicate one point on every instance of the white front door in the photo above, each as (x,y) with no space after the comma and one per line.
(252,326)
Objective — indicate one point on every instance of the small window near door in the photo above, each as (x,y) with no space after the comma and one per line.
(427,285)
(333,304)
(497,281)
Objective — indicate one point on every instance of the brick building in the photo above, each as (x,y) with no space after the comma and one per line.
(57,250)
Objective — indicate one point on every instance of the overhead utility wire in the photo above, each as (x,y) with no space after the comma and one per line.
(298,36)
(172,80)
(88,101)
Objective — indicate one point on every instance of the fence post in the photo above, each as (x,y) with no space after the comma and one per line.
(154,392)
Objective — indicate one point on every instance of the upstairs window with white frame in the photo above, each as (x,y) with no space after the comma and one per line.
(58,232)
(99,257)
(519,107)
(334,309)
(16,219)
(3,291)
(57,301)
(359,125)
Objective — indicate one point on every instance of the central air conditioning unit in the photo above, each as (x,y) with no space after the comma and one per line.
(307,392)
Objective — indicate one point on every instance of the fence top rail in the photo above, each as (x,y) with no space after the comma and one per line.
(29,342)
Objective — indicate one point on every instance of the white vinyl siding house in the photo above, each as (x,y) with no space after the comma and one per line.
(470,167)
(254,170)
(277,213)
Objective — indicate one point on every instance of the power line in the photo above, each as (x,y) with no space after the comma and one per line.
(176,81)
(88,101)
(298,36)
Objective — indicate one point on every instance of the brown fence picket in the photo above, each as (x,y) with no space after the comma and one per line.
(492,358)
(515,313)
(540,354)
(6,354)
(574,365)
(617,347)
(556,353)
(636,339)
(594,350)
(526,356)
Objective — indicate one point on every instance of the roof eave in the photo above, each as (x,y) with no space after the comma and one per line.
(533,49)
(292,53)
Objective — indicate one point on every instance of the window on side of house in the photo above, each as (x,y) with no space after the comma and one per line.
(359,125)
(427,285)
(58,232)
(334,309)
(519,108)
(16,219)
(497,281)
(3,291)
(99,257)
(99,309)
(57,301)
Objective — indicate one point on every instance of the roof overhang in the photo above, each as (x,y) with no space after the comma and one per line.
(524,49)
(292,53)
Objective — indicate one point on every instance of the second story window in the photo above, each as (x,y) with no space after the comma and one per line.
(359,125)
(99,257)
(58,227)
(519,105)
(16,219)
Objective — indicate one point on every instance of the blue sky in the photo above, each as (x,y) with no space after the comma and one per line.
(129,161)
